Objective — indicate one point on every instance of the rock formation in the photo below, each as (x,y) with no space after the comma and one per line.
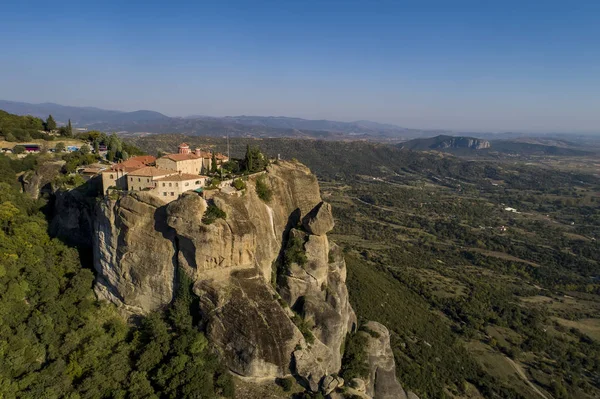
(272,287)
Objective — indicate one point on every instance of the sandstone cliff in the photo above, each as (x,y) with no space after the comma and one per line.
(272,287)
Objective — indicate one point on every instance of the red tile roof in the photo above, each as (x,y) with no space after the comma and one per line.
(181,177)
(181,157)
(151,171)
(146,159)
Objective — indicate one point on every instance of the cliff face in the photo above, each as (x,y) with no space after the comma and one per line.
(270,313)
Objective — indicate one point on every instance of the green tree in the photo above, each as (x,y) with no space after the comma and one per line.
(213,163)
(10,137)
(18,149)
(70,129)
(85,149)
(60,147)
(50,124)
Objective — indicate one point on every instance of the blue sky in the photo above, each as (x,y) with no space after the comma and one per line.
(463,65)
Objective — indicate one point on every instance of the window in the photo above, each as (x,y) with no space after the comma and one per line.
(112,177)
(131,179)
(164,193)
(139,180)
(197,182)
(164,185)
(176,184)
(148,180)
(170,184)
(172,194)
(187,184)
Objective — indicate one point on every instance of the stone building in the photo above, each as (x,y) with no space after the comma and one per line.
(115,176)
(171,187)
(144,178)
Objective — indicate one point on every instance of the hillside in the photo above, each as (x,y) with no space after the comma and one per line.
(20,128)
(445,143)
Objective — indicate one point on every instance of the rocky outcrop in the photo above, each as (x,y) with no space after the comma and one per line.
(134,253)
(73,220)
(271,286)
(39,182)
(320,220)
(382,382)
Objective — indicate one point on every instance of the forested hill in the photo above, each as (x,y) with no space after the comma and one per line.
(19,128)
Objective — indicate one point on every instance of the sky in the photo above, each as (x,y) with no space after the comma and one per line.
(462,65)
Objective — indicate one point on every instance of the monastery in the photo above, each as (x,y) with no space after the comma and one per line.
(166,177)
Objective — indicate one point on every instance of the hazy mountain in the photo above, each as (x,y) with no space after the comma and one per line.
(253,126)
(81,116)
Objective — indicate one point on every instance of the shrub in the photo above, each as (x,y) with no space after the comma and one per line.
(294,253)
(354,363)
(18,149)
(263,190)
(239,184)
(285,383)
(213,213)
(60,147)
(304,328)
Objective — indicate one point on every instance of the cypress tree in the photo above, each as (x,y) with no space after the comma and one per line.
(50,124)
(213,163)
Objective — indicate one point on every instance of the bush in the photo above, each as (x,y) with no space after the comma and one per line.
(304,328)
(239,184)
(18,149)
(294,253)
(60,147)
(285,383)
(213,213)
(263,190)
(354,363)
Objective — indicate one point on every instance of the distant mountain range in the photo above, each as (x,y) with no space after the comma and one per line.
(144,121)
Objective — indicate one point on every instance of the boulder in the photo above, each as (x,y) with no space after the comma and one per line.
(358,384)
(330,383)
(320,219)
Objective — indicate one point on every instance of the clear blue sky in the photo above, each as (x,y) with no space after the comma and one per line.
(471,65)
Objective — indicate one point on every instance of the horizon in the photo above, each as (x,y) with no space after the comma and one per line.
(468,67)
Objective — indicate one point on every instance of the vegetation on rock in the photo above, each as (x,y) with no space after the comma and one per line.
(263,190)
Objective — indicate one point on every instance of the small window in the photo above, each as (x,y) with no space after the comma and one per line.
(139,180)
(164,193)
(131,179)
(197,181)
(187,184)
(176,184)
(112,177)
(148,180)
(164,185)
(170,184)
(172,194)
